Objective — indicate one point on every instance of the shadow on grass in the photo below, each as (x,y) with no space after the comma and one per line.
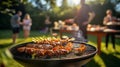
(2,46)
(118,53)
(5,34)
(118,41)
(92,63)
(93,39)
(5,45)
(110,60)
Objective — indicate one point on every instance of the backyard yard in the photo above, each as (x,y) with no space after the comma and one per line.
(39,15)
(108,57)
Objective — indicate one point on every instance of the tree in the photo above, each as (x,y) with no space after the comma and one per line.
(44,4)
(10,6)
(7,9)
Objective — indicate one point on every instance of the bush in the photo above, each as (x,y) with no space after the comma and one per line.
(5,21)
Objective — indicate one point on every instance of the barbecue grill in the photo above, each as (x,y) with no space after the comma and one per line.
(70,59)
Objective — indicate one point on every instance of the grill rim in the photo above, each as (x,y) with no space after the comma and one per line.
(65,59)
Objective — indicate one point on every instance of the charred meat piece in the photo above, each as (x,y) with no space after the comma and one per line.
(47,46)
(21,49)
(50,53)
(50,47)
(29,50)
(40,46)
(40,52)
(80,49)
(62,51)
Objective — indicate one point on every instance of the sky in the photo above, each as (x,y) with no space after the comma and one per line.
(70,2)
(73,2)
(59,2)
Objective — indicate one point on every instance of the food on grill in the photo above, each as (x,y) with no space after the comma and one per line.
(50,48)
(21,49)
(80,49)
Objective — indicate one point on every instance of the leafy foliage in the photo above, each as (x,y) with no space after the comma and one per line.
(8,6)
(38,9)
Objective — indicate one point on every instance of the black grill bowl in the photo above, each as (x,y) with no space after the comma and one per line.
(63,61)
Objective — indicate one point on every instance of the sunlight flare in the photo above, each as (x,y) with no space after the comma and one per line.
(76,2)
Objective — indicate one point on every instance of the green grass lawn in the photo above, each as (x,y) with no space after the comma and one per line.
(108,58)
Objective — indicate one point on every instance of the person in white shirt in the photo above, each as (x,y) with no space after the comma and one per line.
(27,22)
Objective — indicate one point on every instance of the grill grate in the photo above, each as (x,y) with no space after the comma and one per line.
(89,50)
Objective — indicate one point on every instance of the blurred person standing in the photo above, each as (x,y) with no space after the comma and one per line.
(15,23)
(108,19)
(27,22)
(47,24)
(84,16)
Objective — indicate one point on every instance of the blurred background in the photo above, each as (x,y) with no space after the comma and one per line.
(57,10)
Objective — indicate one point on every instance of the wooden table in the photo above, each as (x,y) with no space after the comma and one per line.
(98,34)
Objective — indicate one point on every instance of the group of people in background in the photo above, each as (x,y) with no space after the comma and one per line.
(16,23)
(83,17)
